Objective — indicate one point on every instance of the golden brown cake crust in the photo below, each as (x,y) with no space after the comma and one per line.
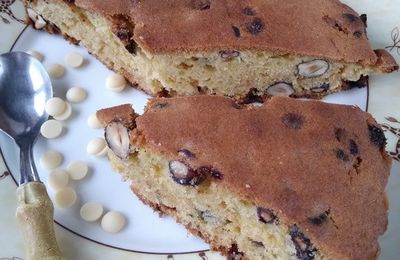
(321,28)
(308,161)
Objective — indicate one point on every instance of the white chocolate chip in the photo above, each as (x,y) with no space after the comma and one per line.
(56,71)
(77,170)
(94,122)
(67,113)
(74,60)
(51,129)
(58,179)
(91,211)
(115,82)
(65,197)
(51,159)
(55,106)
(113,222)
(96,146)
(76,94)
(39,56)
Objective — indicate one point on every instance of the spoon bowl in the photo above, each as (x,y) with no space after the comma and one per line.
(24,88)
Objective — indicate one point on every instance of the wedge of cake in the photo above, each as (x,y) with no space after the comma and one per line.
(286,179)
(232,48)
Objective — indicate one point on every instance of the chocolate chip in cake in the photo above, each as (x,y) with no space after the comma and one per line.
(233,253)
(255,26)
(377,136)
(319,219)
(229,54)
(293,120)
(322,88)
(357,34)
(210,171)
(341,155)
(282,89)
(340,134)
(117,138)
(123,34)
(131,47)
(248,11)
(266,215)
(313,68)
(126,37)
(304,248)
(186,153)
(160,105)
(181,173)
(252,98)
(201,4)
(236,31)
(353,147)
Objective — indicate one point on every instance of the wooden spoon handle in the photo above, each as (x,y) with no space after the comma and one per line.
(35,217)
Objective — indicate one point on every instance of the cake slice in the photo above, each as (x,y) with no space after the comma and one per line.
(233,48)
(286,179)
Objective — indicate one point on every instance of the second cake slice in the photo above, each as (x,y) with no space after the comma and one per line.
(285,180)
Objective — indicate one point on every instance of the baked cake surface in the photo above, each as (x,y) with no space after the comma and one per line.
(232,48)
(312,27)
(315,172)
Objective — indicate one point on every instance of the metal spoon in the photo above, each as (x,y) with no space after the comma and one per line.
(24,89)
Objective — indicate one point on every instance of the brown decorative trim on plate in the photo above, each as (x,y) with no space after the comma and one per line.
(203,256)
(11,258)
(3,176)
(395,35)
(396,131)
(5,9)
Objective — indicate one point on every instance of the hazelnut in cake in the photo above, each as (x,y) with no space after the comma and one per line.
(233,48)
(280,180)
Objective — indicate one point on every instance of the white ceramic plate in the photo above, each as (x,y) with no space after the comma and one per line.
(146,233)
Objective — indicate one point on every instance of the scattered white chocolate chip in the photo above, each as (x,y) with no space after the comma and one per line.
(56,71)
(77,170)
(76,94)
(74,60)
(65,197)
(94,122)
(115,82)
(58,179)
(96,146)
(51,129)
(51,159)
(39,56)
(113,222)
(67,113)
(55,106)
(91,211)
